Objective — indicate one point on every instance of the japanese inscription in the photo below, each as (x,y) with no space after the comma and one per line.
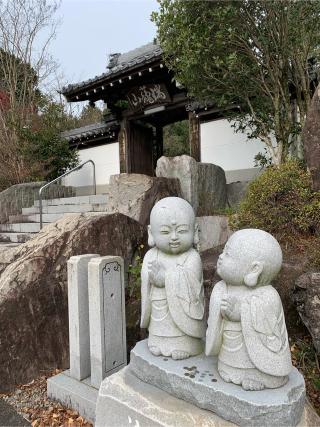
(148,95)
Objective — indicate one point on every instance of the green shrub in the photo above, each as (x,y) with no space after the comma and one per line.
(281,202)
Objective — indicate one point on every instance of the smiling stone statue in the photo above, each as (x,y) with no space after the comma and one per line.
(246,325)
(172,293)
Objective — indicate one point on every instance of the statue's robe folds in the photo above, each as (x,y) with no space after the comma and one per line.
(263,328)
(183,291)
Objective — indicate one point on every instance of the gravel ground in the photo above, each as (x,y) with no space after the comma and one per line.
(30,400)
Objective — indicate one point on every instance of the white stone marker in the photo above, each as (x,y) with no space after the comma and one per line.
(78,307)
(107,317)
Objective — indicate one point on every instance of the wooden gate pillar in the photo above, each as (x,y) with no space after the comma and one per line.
(194,136)
(123,146)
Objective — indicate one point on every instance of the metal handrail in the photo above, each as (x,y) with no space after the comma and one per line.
(62,176)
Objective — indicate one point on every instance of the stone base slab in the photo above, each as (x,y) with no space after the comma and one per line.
(196,380)
(77,395)
(126,401)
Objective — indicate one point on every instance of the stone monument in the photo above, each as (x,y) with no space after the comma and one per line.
(246,325)
(97,333)
(172,294)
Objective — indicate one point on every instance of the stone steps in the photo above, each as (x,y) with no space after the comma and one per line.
(54,209)
(11,237)
(29,219)
(24,226)
(99,198)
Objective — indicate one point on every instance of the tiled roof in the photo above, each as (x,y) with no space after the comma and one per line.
(118,65)
(90,131)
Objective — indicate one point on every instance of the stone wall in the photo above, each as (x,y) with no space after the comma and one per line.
(19,196)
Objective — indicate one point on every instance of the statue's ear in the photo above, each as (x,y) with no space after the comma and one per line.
(151,241)
(196,238)
(252,277)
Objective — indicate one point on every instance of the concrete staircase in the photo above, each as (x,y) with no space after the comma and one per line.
(23,227)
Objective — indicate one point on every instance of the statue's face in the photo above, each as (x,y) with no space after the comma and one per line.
(172,231)
(233,263)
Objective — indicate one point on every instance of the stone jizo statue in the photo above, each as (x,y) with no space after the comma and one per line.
(246,325)
(172,286)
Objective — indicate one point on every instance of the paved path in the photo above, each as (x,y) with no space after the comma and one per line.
(9,417)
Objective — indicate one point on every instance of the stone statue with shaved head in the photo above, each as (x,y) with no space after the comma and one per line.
(246,325)
(172,294)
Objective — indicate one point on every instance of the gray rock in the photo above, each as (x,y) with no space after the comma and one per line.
(197,381)
(33,293)
(236,191)
(134,195)
(214,231)
(212,189)
(203,185)
(186,170)
(306,295)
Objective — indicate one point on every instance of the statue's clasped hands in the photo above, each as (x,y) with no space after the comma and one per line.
(230,308)
(156,273)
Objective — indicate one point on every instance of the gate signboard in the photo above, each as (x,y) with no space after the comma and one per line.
(148,95)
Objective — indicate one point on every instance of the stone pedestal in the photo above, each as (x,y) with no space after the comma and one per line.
(126,401)
(197,381)
(81,396)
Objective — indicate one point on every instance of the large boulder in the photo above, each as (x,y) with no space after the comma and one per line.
(214,231)
(203,185)
(306,295)
(135,194)
(19,196)
(33,289)
(311,139)
(236,192)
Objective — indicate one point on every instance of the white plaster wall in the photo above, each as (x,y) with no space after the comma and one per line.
(106,159)
(221,145)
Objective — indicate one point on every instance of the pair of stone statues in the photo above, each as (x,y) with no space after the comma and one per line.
(246,326)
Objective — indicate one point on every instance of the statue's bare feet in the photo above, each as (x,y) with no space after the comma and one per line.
(179,355)
(224,376)
(250,384)
(155,350)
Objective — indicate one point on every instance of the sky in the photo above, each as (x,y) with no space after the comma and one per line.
(92,29)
